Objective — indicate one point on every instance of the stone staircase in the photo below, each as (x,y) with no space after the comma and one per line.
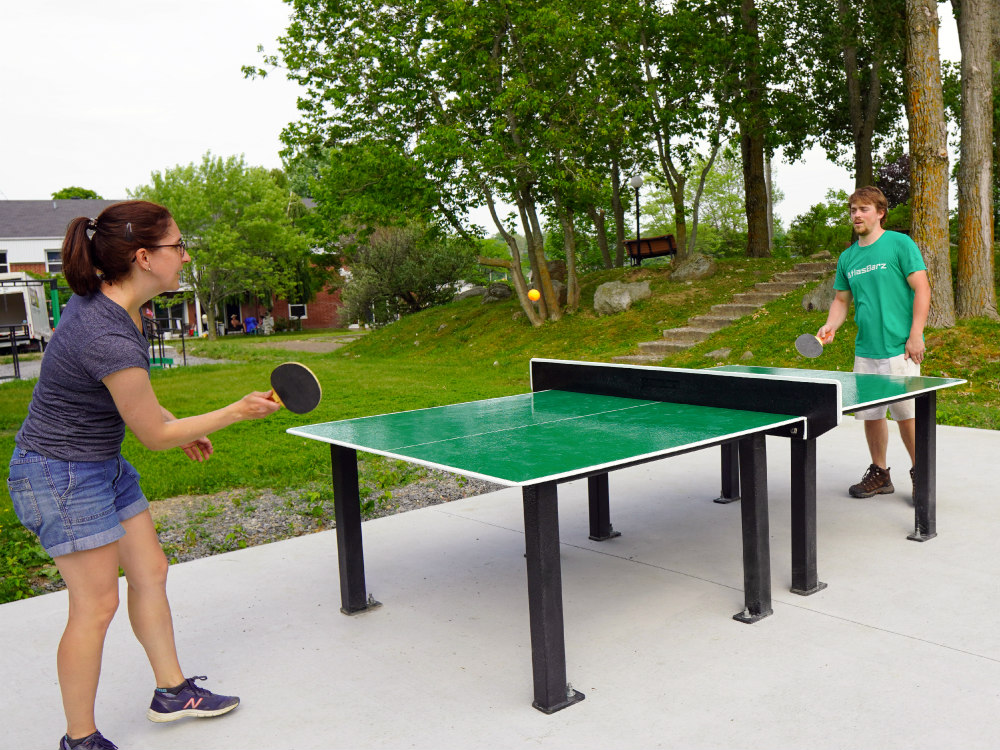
(700,327)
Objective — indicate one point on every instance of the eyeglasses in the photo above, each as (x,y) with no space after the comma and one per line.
(181,246)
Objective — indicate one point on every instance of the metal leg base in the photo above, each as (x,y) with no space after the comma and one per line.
(748,618)
(806,592)
(572,696)
(723,500)
(603,538)
(918,537)
(368,607)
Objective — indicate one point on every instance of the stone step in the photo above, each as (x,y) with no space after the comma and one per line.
(825,266)
(802,277)
(664,347)
(638,359)
(781,287)
(755,298)
(709,322)
(686,335)
(733,312)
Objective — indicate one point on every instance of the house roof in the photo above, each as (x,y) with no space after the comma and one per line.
(48,218)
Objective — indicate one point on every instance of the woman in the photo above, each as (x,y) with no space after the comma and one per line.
(68,480)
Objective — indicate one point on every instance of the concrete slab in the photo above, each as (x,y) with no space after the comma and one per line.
(901,651)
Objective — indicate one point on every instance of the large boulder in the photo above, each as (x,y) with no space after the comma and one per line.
(474,291)
(557,270)
(617,296)
(821,297)
(497,292)
(693,267)
(560,290)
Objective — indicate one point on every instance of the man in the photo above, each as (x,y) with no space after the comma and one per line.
(885,276)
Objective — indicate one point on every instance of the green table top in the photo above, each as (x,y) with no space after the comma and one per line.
(858,390)
(543,436)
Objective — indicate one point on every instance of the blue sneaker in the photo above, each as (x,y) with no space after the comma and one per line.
(190,700)
(95,741)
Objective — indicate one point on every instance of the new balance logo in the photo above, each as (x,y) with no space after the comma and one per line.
(192,703)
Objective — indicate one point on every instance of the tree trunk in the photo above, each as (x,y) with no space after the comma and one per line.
(929,156)
(514,265)
(770,203)
(752,138)
(619,211)
(696,206)
(569,246)
(601,231)
(752,147)
(548,306)
(862,111)
(677,182)
(996,119)
(976,294)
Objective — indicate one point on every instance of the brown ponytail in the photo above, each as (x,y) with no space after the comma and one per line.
(103,249)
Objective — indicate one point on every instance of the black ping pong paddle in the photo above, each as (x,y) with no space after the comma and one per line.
(296,387)
(809,346)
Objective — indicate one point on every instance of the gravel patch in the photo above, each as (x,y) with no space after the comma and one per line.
(191,527)
(195,526)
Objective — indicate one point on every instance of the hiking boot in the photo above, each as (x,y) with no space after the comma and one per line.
(95,741)
(876,481)
(189,700)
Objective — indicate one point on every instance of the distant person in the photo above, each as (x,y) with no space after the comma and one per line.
(68,480)
(884,275)
(234,323)
(267,324)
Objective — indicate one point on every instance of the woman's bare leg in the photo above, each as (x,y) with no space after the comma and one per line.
(145,566)
(92,583)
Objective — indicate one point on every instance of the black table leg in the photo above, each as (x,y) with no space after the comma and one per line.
(756,544)
(350,551)
(600,509)
(925,469)
(730,474)
(804,577)
(545,613)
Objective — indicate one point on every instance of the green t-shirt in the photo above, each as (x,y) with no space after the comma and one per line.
(883,301)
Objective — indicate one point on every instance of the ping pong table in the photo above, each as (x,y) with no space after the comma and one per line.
(858,391)
(581,420)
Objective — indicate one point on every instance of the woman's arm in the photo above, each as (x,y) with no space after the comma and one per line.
(152,424)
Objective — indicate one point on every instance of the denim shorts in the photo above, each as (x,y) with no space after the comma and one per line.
(73,505)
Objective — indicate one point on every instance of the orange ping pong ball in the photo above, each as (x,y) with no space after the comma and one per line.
(534,295)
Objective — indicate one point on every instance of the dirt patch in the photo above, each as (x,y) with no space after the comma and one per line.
(318,345)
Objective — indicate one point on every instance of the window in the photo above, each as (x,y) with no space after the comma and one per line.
(4,268)
(53,261)
(297,311)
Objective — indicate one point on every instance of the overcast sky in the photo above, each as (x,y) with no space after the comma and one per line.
(103,93)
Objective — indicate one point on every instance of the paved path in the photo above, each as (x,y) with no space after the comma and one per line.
(901,651)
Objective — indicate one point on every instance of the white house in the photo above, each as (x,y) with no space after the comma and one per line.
(31,237)
(31,232)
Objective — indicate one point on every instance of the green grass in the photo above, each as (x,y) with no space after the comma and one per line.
(461,352)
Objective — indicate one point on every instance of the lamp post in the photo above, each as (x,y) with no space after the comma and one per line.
(636,182)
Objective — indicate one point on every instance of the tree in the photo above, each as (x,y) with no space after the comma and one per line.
(976,288)
(399,270)
(929,155)
(854,57)
(825,226)
(239,226)
(894,181)
(69,193)
(524,103)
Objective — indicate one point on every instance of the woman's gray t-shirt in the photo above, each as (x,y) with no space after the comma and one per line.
(72,416)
